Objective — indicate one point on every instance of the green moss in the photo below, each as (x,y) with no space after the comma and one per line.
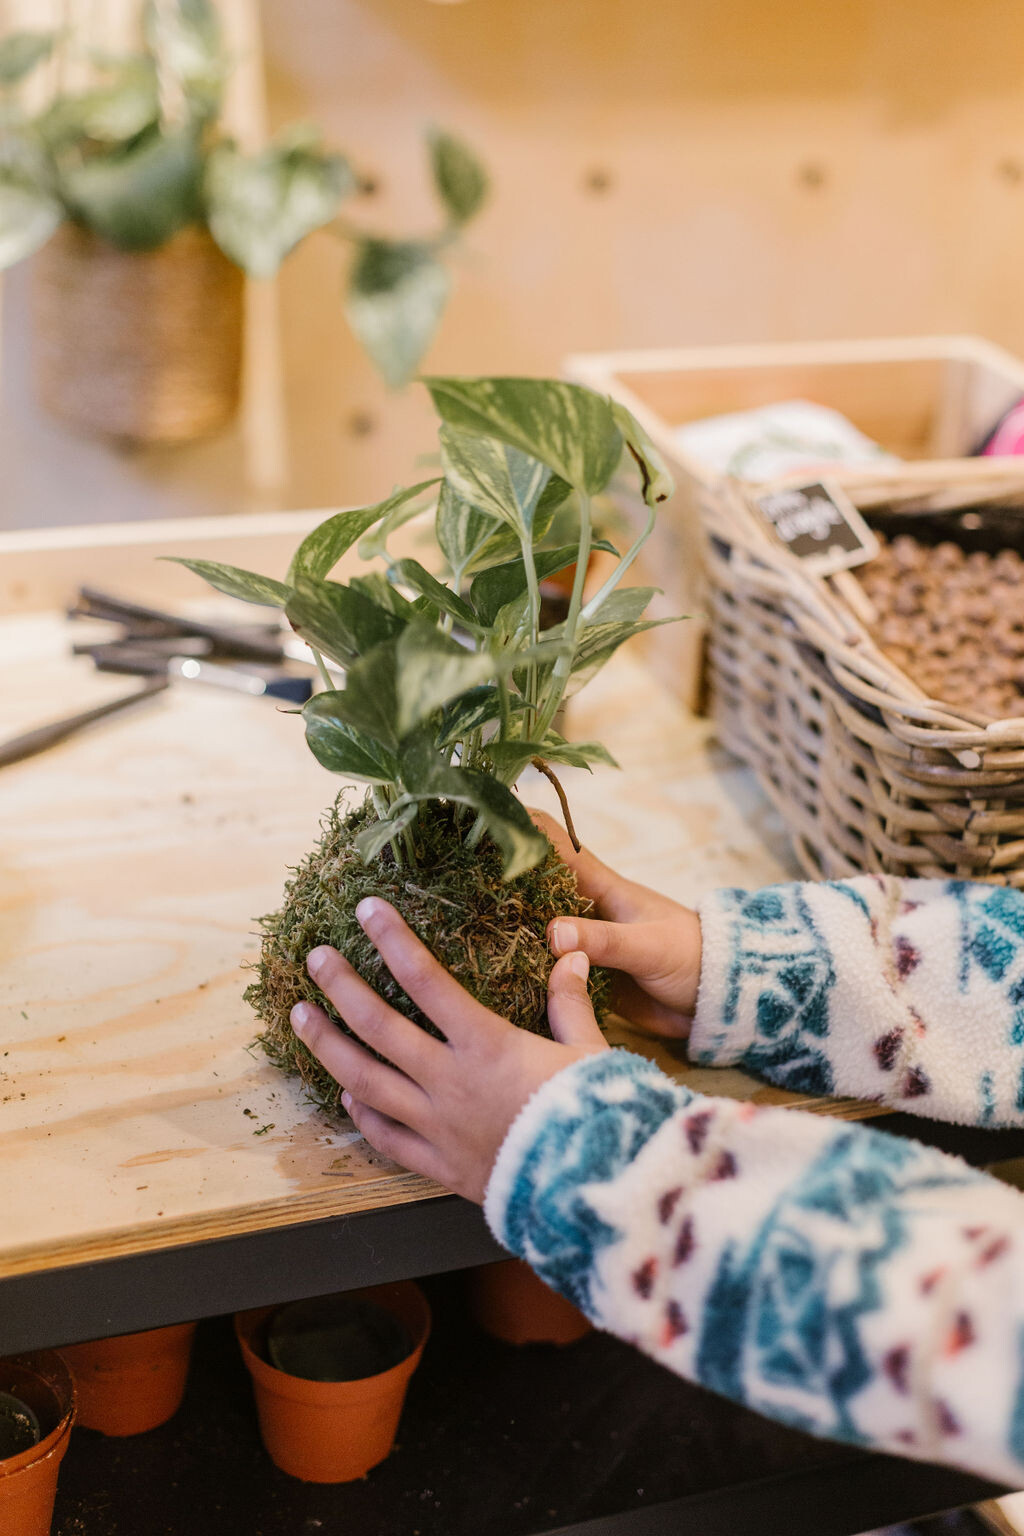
(490,933)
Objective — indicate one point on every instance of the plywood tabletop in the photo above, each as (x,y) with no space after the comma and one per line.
(134,859)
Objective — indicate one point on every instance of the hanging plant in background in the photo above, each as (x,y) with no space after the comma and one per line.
(131,187)
(451,691)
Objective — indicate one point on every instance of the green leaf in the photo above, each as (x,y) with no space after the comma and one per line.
(577,754)
(125,105)
(656,482)
(20,52)
(623,605)
(492,475)
(139,197)
(599,642)
(342,749)
(460,179)
(468,712)
(379,590)
(370,841)
(28,217)
(368,702)
(431,670)
(511,757)
(511,625)
(186,38)
(259,207)
(569,428)
(493,588)
(397,292)
(404,508)
(462,530)
(321,550)
(409,573)
(341,623)
(427,776)
(247,585)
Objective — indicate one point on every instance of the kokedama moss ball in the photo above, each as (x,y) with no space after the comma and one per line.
(490,933)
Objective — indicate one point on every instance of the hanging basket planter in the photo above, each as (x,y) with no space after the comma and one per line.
(41,1383)
(137,346)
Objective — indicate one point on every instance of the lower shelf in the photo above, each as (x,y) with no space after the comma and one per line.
(495,1441)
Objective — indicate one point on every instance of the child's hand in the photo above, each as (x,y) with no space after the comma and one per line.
(444,1106)
(652,942)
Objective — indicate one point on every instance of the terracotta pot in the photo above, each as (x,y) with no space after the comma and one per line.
(28,1481)
(132,1382)
(333,1431)
(509,1301)
(141,346)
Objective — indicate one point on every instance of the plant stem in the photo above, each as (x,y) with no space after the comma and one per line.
(410,846)
(533,591)
(506,713)
(542,767)
(562,668)
(382,807)
(328,681)
(621,569)
(475,833)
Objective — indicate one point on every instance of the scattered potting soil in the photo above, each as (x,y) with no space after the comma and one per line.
(335,1338)
(488,932)
(19,1427)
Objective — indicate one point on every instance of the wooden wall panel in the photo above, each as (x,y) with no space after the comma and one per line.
(666,173)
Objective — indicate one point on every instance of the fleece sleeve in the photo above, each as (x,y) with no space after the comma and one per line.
(848,1283)
(906,991)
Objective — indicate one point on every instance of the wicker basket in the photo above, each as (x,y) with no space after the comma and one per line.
(145,347)
(868,773)
(923,398)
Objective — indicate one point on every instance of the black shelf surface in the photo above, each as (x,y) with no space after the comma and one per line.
(497,1441)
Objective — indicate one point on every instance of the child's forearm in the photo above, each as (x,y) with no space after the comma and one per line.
(863,1288)
(909,991)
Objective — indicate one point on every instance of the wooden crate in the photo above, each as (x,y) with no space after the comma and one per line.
(927,398)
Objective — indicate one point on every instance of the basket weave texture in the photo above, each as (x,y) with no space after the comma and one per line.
(145,346)
(868,773)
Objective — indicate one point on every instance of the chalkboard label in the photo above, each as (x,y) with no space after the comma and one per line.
(819,524)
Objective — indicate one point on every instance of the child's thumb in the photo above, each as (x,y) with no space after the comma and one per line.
(629,947)
(570,1012)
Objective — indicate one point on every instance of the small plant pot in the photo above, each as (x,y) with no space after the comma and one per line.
(28,1480)
(133,1382)
(510,1302)
(139,346)
(333,1431)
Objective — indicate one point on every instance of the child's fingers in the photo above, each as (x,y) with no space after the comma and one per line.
(367,1079)
(594,879)
(371,1018)
(637,948)
(570,1011)
(426,981)
(394,1139)
(613,895)
(640,1008)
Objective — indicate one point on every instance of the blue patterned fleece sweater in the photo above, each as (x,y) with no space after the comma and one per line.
(846,1282)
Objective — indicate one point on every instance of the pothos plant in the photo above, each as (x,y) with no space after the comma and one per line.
(141,154)
(451,689)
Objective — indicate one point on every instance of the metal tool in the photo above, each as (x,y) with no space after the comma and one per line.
(44,736)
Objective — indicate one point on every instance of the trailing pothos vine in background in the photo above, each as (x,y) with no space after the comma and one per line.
(141,155)
(451,687)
